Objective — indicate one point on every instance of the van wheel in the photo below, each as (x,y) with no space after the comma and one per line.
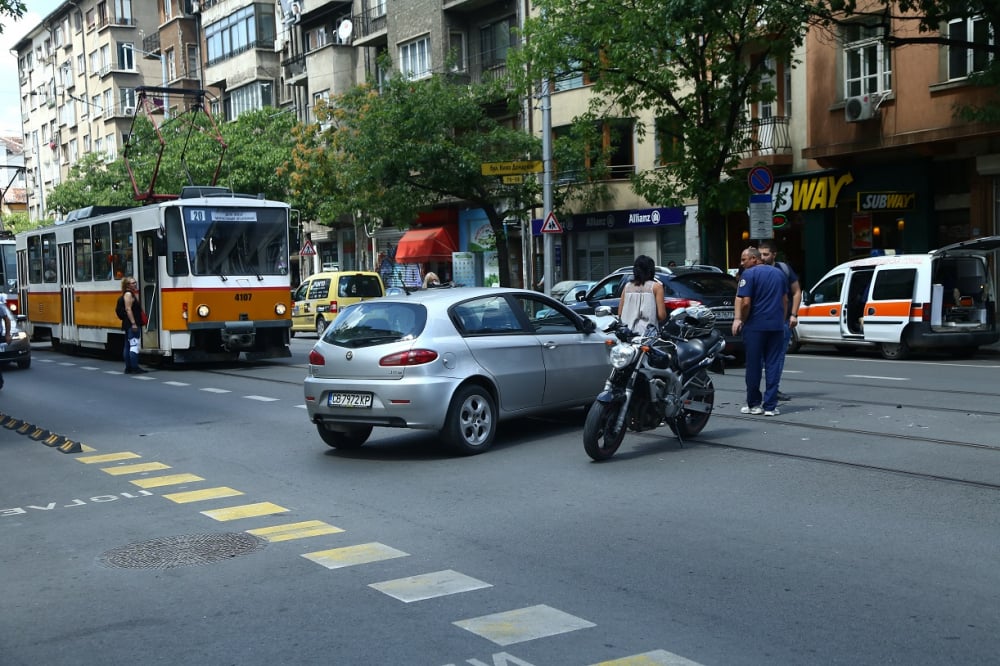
(894,351)
(320,326)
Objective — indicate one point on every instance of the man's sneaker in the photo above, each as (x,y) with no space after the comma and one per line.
(747,409)
(783,396)
(772,412)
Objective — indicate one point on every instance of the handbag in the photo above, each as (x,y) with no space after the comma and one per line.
(144,317)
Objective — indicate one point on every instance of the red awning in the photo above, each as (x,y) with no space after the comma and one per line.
(418,246)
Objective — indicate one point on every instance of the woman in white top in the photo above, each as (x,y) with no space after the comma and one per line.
(641,304)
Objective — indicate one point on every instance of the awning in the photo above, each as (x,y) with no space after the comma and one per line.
(418,246)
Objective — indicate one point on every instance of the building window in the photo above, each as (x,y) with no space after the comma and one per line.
(415,59)
(192,61)
(171,65)
(250,27)
(669,140)
(126,56)
(168,10)
(867,62)
(456,52)
(963,61)
(127,97)
(494,41)
(257,95)
(316,38)
(376,8)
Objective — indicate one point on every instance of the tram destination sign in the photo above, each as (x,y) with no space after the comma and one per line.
(511,168)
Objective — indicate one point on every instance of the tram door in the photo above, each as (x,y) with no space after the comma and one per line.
(149,287)
(67,287)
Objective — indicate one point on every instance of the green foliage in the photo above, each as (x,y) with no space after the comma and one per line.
(11,8)
(698,62)
(257,145)
(394,152)
(18,221)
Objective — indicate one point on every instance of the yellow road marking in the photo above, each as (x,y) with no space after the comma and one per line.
(171,480)
(135,469)
(201,495)
(336,558)
(290,531)
(245,511)
(108,457)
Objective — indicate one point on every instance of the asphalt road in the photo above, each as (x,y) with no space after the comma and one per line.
(205,523)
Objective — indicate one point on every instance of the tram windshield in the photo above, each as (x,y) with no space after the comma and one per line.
(228,241)
(8,266)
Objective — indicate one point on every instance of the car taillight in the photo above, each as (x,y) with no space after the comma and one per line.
(680,302)
(333,306)
(412,357)
(315,358)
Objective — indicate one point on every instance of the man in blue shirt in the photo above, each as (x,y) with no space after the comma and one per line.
(760,314)
(769,255)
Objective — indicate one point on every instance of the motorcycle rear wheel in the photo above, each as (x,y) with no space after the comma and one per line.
(690,423)
(599,437)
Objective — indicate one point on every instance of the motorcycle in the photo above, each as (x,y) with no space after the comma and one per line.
(657,377)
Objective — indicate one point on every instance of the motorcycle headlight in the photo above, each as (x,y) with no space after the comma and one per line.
(622,355)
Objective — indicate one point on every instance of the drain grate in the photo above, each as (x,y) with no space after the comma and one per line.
(182,551)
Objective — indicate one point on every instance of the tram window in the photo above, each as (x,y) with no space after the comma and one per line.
(49,258)
(101,239)
(121,245)
(83,254)
(176,251)
(34,258)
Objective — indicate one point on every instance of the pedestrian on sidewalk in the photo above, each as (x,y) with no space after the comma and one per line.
(760,312)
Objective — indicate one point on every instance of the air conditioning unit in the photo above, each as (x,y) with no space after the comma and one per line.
(129,110)
(859,108)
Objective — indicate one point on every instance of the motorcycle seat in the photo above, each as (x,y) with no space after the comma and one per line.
(691,351)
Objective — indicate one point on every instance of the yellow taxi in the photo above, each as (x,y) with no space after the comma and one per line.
(321,296)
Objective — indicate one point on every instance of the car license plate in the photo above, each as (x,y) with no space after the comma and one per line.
(724,315)
(355,400)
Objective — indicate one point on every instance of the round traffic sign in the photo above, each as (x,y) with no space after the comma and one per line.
(760,179)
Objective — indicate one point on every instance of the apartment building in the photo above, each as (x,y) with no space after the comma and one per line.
(78,70)
(11,177)
(897,171)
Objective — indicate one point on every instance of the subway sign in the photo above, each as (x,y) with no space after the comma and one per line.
(876,201)
(812,193)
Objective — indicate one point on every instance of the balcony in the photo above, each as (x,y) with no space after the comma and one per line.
(370,27)
(769,142)
(151,44)
(295,69)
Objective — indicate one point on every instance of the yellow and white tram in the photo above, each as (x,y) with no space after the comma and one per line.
(212,268)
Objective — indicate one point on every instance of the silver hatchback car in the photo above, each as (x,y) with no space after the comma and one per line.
(457,361)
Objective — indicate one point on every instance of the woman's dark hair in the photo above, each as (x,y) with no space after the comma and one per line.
(643,269)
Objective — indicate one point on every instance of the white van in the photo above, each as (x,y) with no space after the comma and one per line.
(940,300)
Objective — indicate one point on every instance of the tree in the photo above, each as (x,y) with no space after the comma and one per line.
(18,221)
(394,152)
(697,63)
(11,8)
(258,144)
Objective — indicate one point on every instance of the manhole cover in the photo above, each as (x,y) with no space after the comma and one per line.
(181,551)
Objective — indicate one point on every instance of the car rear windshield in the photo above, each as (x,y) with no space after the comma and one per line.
(702,285)
(359,286)
(376,323)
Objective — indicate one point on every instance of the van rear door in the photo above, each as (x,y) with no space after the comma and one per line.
(889,304)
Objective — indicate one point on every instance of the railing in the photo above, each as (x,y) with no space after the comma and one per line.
(294,66)
(765,136)
(370,22)
(151,43)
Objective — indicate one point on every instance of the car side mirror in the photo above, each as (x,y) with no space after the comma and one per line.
(807,298)
(589,326)
(603,311)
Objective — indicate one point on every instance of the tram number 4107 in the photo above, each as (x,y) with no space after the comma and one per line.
(243,297)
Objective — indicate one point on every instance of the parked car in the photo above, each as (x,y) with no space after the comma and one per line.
(708,285)
(456,361)
(560,289)
(321,296)
(574,293)
(18,350)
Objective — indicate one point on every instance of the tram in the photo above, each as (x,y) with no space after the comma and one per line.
(212,268)
(8,271)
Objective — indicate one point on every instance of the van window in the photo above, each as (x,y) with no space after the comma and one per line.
(894,285)
(359,286)
(828,291)
(319,288)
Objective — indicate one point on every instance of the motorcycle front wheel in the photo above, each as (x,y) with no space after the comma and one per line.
(690,423)
(600,439)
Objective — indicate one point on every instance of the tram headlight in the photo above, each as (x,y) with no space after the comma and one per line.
(202,310)
(280,309)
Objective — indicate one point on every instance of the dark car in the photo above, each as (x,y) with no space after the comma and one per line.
(681,284)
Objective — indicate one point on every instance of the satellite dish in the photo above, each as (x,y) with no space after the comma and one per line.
(344,30)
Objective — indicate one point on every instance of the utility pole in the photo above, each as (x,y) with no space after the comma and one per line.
(550,241)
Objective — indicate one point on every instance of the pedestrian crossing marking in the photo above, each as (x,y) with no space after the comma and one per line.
(168,480)
(135,469)
(291,531)
(245,511)
(201,495)
(654,658)
(172,383)
(260,398)
(335,558)
(429,585)
(108,457)
(216,390)
(523,624)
